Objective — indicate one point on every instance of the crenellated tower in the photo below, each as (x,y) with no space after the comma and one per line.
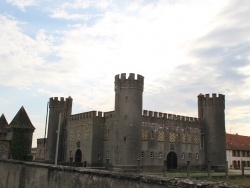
(128,119)
(212,115)
(55,108)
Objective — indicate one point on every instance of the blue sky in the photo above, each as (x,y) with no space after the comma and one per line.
(59,48)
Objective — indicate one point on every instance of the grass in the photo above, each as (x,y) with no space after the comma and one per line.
(239,180)
(215,177)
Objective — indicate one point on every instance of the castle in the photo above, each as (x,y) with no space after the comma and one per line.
(130,135)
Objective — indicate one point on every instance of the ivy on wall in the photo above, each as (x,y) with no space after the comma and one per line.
(20,148)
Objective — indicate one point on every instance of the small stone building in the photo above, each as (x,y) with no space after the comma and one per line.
(41,149)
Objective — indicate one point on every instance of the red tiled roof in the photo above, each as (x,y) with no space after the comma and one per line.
(237,142)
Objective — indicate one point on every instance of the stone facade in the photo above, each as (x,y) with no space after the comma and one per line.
(129,135)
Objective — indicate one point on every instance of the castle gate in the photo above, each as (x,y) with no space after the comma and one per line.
(78,156)
(171,160)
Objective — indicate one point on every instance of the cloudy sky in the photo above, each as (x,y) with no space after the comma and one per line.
(59,48)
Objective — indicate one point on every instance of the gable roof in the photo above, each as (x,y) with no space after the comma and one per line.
(22,120)
(237,142)
(3,122)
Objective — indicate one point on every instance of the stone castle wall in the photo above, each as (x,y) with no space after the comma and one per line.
(17,174)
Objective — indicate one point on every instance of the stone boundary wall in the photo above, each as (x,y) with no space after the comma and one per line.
(18,174)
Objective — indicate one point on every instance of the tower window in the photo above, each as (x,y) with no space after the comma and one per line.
(160,155)
(108,154)
(125,138)
(190,156)
(183,156)
(152,134)
(152,154)
(142,154)
(197,156)
(126,98)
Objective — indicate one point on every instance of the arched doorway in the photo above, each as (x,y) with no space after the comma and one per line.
(78,156)
(172,160)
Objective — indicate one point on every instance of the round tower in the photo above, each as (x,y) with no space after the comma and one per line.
(212,115)
(55,108)
(128,119)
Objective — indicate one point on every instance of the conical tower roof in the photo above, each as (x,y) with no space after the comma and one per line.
(22,120)
(3,122)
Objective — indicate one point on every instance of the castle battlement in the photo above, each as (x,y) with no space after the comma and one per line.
(86,115)
(109,114)
(54,101)
(161,115)
(214,100)
(131,82)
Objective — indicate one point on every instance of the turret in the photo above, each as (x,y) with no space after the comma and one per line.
(55,108)
(212,115)
(128,119)
(22,132)
(3,122)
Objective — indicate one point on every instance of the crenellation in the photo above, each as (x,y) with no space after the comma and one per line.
(131,76)
(123,76)
(150,114)
(214,96)
(178,117)
(140,78)
(214,100)
(108,114)
(170,116)
(86,115)
(100,114)
(131,82)
(55,102)
(155,114)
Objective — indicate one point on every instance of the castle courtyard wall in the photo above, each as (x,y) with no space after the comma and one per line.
(17,174)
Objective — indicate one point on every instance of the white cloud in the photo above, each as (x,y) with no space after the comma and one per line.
(182,48)
(23,3)
(62,14)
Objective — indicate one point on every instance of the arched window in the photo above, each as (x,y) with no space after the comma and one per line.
(78,156)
